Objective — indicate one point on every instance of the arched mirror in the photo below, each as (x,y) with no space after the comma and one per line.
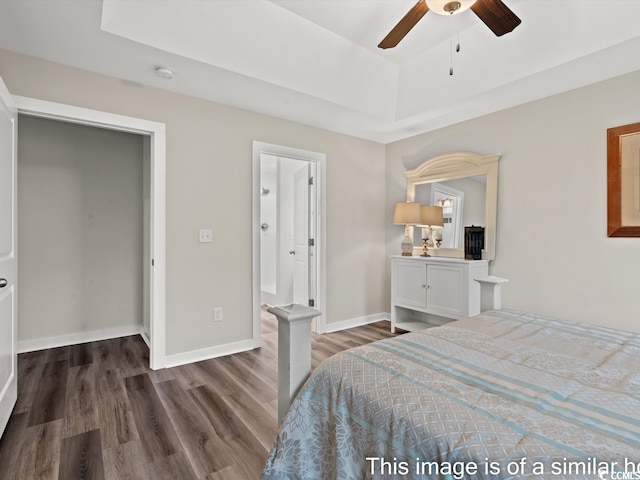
(466,186)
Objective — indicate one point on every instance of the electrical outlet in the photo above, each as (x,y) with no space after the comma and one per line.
(217,314)
(206,236)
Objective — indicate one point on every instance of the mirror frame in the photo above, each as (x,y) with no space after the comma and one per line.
(614,182)
(450,166)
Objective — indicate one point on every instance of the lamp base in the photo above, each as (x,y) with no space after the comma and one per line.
(407,245)
(425,247)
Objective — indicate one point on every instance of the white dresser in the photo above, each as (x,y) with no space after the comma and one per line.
(429,291)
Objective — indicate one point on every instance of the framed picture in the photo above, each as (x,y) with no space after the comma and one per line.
(623,181)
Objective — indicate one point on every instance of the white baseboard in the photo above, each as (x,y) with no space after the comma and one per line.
(180,358)
(146,336)
(356,322)
(245,345)
(208,353)
(81,337)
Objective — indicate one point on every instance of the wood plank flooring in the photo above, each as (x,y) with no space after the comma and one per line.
(96,411)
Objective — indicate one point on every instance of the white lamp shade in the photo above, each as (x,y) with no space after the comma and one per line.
(438,6)
(407,213)
(431,215)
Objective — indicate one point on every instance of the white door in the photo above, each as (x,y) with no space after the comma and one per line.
(8,258)
(301,236)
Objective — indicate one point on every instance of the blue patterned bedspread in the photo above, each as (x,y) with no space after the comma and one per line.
(501,395)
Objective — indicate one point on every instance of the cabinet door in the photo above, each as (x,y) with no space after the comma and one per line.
(445,290)
(410,279)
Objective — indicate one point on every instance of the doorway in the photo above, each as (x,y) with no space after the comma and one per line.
(287,209)
(288,232)
(452,202)
(80,231)
(155,243)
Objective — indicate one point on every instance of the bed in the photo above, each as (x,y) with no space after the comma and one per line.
(504,394)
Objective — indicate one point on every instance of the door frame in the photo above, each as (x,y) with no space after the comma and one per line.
(156,132)
(439,189)
(320,223)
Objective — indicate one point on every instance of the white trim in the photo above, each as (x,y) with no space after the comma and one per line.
(82,337)
(156,131)
(208,353)
(146,337)
(85,116)
(356,322)
(320,159)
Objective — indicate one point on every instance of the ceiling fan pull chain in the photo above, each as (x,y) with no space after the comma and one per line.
(457,48)
(451,58)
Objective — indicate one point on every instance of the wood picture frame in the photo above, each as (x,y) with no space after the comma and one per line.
(623,181)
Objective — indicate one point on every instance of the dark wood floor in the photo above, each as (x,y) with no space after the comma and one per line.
(96,411)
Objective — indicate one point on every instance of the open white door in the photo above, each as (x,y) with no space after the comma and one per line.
(301,236)
(8,257)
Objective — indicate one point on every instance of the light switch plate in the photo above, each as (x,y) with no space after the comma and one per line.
(206,236)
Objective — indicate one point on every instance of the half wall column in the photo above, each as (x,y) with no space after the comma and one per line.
(294,351)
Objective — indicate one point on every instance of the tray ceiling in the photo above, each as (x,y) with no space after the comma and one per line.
(316,61)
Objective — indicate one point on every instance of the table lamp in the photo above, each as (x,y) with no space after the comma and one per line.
(407,214)
(430,216)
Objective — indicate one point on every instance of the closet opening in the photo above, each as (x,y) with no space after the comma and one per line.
(89,207)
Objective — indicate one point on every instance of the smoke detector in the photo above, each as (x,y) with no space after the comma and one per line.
(165,72)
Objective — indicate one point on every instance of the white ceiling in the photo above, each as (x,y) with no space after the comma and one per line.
(316,61)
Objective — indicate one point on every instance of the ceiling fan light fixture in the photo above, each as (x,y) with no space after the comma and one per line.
(449,7)
(493,13)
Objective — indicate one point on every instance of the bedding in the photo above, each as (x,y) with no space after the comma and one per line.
(504,394)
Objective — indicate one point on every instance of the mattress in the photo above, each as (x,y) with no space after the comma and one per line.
(504,394)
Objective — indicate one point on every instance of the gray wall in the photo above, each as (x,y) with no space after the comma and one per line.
(552,240)
(79,229)
(209,166)
(551,244)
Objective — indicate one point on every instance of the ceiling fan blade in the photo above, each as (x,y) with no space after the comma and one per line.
(405,25)
(496,15)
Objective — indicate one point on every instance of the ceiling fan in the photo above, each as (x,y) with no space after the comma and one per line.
(495,14)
